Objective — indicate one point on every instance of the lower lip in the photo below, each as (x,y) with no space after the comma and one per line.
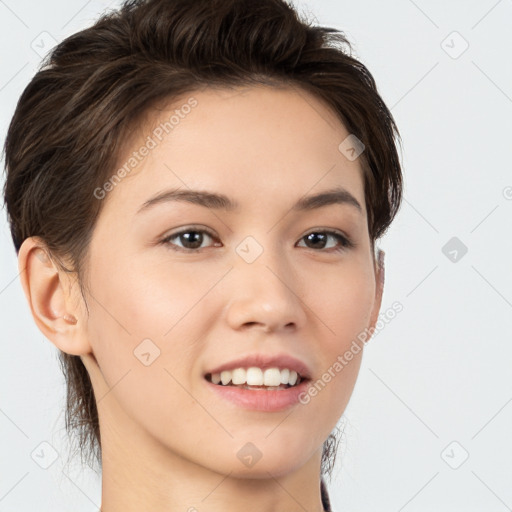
(261,400)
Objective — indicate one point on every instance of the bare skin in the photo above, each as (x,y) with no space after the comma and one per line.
(168,442)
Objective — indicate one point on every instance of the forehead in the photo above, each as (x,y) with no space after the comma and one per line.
(256,144)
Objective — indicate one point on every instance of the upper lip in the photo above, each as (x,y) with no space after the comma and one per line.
(265,361)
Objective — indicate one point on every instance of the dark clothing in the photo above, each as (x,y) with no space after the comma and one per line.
(325,497)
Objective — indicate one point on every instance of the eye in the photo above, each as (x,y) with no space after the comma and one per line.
(318,240)
(191,239)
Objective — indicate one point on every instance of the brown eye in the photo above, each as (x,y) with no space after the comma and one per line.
(319,240)
(190,239)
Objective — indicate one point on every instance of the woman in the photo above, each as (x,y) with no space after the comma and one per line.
(195,191)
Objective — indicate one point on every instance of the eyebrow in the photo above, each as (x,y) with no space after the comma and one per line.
(338,195)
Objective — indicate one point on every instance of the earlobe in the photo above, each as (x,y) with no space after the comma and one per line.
(48,291)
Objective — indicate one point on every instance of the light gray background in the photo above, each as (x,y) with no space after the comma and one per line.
(435,384)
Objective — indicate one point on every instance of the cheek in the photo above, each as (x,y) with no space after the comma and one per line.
(140,314)
(149,301)
(143,342)
(342,311)
(344,306)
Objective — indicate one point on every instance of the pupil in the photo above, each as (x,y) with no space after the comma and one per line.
(187,237)
(317,236)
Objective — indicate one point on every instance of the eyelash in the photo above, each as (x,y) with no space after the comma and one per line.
(345,242)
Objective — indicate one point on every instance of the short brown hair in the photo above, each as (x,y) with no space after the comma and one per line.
(72,118)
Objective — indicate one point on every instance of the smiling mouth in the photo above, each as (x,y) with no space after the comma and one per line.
(300,379)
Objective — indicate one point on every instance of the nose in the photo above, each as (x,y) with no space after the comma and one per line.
(265,294)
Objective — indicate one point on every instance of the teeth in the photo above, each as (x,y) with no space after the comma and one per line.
(225,377)
(254,377)
(271,377)
(238,376)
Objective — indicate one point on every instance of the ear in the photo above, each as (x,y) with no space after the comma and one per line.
(379,288)
(53,297)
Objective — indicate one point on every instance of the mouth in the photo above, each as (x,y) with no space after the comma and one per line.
(258,397)
(260,382)
(253,378)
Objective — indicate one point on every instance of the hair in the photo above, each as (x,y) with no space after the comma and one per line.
(72,119)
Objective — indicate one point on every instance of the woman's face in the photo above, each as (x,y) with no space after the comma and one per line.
(255,279)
